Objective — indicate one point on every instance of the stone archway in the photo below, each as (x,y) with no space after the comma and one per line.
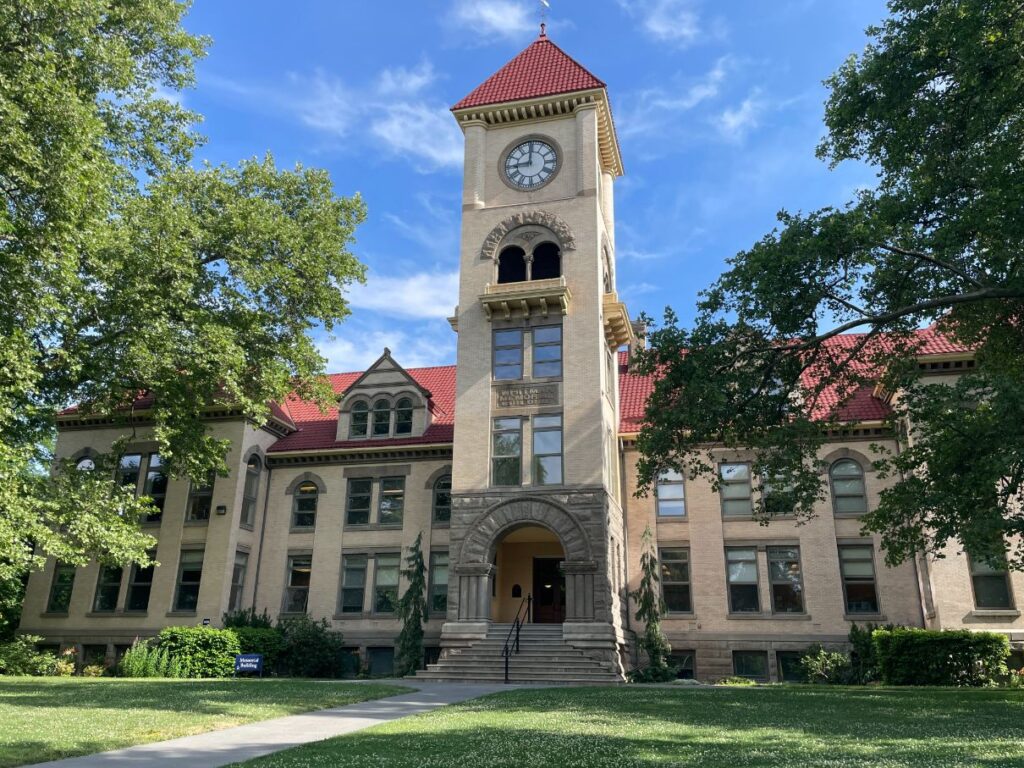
(550,221)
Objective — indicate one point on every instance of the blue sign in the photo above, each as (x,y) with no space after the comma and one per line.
(249,662)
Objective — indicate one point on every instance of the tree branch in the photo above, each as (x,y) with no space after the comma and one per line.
(932,260)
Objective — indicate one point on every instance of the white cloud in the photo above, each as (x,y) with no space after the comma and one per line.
(672,21)
(421,132)
(405,81)
(359,348)
(329,106)
(734,124)
(494,18)
(420,295)
(656,106)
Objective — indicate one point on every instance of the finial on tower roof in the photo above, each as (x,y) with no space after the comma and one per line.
(543,27)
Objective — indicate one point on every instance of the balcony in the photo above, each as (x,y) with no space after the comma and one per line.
(617,328)
(525,299)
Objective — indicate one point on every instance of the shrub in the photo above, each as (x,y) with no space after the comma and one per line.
(821,666)
(201,651)
(94,670)
(247,617)
(666,673)
(1015,679)
(265,641)
(64,664)
(947,657)
(145,660)
(20,657)
(311,649)
(735,680)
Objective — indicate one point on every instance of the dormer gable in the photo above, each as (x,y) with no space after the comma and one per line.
(385,402)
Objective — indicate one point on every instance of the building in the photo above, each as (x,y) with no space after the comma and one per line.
(517,466)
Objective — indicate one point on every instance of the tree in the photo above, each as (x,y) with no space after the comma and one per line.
(127,270)
(934,105)
(412,611)
(649,608)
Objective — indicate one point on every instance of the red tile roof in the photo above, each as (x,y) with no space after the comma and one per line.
(542,69)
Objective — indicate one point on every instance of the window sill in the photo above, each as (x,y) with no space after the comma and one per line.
(994,613)
(291,614)
(103,614)
(373,527)
(679,616)
(53,615)
(848,515)
(769,616)
(246,527)
(196,523)
(441,524)
(350,616)
(172,614)
(136,614)
(303,529)
(865,617)
(672,518)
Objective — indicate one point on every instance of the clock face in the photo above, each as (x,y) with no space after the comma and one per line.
(530,164)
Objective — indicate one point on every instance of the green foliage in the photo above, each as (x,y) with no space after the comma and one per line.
(311,649)
(863,658)
(12,593)
(822,666)
(933,104)
(412,612)
(200,651)
(649,608)
(735,680)
(266,641)
(20,657)
(949,657)
(94,670)
(247,617)
(144,659)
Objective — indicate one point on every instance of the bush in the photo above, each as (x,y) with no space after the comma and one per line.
(735,680)
(145,660)
(64,664)
(830,667)
(247,617)
(94,670)
(948,657)
(311,649)
(20,657)
(666,673)
(268,642)
(201,651)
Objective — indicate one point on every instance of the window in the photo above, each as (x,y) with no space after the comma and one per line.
(190,574)
(353,583)
(156,486)
(60,588)
(547,262)
(357,510)
(108,588)
(438,601)
(790,670)
(741,563)
(507,452)
(685,664)
(443,499)
(200,499)
(675,580)
(385,584)
(392,501)
(508,355)
(296,593)
(403,417)
(85,464)
(360,419)
(734,487)
(238,580)
(671,494)
(777,495)
(140,584)
(251,490)
(848,495)
(547,450)
(512,265)
(991,586)
(786,579)
(547,351)
(304,511)
(858,570)
(129,469)
(381,418)
(750,664)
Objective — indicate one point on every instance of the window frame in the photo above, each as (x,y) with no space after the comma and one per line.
(237,589)
(381,415)
(535,345)
(724,483)
(497,430)
(134,583)
(665,582)
(859,579)
(730,583)
(104,584)
(972,563)
(350,562)
(385,494)
(349,496)
(437,490)
(294,565)
(59,569)
(300,495)
(798,585)
(159,499)
(122,474)
(179,582)
(746,652)
(496,348)
(670,483)
(537,455)
(251,491)
(399,420)
(200,496)
(432,589)
(364,413)
(863,495)
(394,560)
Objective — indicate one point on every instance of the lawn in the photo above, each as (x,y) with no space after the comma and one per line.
(640,726)
(49,718)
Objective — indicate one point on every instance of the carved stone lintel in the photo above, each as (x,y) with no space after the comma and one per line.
(566,239)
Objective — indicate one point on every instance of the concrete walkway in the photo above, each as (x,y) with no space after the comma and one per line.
(244,742)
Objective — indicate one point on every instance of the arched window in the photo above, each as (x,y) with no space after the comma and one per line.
(251,490)
(403,417)
(381,418)
(848,494)
(304,508)
(85,464)
(547,262)
(443,499)
(512,265)
(359,420)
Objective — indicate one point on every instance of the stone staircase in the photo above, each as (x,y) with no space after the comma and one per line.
(543,657)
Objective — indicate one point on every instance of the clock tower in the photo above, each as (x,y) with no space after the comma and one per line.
(537,520)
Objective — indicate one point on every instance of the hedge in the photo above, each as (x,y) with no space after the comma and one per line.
(268,642)
(948,657)
(200,651)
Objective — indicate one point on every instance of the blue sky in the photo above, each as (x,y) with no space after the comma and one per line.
(718,107)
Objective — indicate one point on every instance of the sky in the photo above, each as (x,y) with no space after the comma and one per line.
(718,107)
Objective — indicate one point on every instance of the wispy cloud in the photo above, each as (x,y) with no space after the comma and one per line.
(357,348)
(422,132)
(734,123)
(419,295)
(652,108)
(673,21)
(327,105)
(510,19)
(406,81)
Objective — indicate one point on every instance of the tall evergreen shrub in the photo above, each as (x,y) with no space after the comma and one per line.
(412,611)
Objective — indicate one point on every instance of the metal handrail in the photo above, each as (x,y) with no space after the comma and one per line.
(512,646)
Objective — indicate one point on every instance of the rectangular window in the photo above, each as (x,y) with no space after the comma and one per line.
(507,452)
(786,579)
(790,670)
(991,586)
(742,567)
(108,587)
(353,583)
(129,469)
(547,351)
(671,494)
(385,583)
(296,593)
(357,509)
(190,574)
(60,588)
(156,486)
(392,501)
(857,565)
(238,580)
(547,450)
(200,499)
(438,602)
(685,664)
(250,491)
(508,355)
(140,584)
(750,664)
(734,488)
(777,496)
(304,503)
(675,580)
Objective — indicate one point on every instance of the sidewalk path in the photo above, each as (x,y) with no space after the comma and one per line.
(244,742)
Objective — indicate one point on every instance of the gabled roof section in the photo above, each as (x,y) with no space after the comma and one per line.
(542,69)
(386,364)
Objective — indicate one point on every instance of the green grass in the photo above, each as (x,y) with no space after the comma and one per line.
(739,728)
(49,718)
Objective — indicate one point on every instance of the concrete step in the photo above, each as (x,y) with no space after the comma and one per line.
(520,677)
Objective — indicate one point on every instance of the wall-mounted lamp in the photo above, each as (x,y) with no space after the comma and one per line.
(222,509)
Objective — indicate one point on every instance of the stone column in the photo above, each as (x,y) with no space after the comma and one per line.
(474,591)
(579,589)
(475,165)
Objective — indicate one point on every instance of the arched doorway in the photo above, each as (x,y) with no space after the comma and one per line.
(529,563)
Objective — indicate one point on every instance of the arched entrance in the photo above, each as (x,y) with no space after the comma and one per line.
(529,562)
